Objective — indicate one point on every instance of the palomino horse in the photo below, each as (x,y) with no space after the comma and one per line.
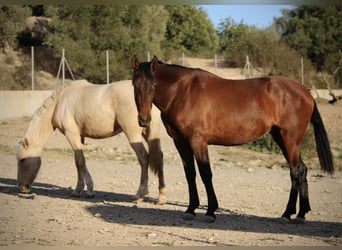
(199,108)
(95,111)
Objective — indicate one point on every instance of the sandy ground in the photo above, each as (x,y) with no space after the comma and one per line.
(252,189)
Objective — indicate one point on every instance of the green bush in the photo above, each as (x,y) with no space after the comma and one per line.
(267,144)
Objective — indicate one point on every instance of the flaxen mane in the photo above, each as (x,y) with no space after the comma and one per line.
(47,105)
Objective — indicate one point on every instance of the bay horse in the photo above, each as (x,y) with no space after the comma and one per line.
(82,109)
(199,108)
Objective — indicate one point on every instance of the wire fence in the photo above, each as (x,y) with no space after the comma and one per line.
(215,65)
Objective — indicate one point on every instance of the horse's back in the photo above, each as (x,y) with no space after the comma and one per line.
(276,93)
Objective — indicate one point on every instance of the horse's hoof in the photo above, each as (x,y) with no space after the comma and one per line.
(189,216)
(136,199)
(90,195)
(284,220)
(208,219)
(27,196)
(298,220)
(161,202)
(75,194)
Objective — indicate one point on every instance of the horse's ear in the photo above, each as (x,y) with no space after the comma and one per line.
(135,62)
(24,143)
(154,63)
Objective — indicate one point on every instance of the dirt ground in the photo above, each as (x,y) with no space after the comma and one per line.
(252,190)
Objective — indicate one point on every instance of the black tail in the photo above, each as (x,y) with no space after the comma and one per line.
(322,142)
(155,156)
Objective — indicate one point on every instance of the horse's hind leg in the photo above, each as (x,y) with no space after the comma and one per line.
(298,172)
(304,204)
(83,175)
(299,184)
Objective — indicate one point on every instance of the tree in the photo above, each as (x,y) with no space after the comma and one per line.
(190,30)
(233,39)
(12,22)
(264,48)
(314,31)
(87,31)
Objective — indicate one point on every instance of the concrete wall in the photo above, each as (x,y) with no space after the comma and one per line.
(17,104)
(324,93)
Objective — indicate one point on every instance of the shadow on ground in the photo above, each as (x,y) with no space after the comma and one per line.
(118,208)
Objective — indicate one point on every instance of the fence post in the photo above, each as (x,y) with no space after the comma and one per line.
(248,67)
(63,67)
(215,64)
(32,68)
(148,56)
(107,66)
(183,59)
(302,69)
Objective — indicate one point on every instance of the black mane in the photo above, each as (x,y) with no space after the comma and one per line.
(180,66)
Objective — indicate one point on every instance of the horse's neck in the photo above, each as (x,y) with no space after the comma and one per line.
(167,87)
(41,127)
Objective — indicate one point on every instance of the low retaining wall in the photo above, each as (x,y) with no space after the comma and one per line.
(21,103)
(324,93)
(18,104)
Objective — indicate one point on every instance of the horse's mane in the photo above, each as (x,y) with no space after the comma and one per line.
(48,102)
(173,65)
(181,67)
(46,106)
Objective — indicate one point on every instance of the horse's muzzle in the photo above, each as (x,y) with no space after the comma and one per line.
(144,122)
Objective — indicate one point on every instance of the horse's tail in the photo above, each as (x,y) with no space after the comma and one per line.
(322,142)
(155,159)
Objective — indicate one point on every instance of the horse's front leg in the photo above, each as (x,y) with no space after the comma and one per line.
(142,156)
(200,149)
(186,154)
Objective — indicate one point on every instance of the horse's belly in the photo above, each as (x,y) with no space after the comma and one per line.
(235,134)
(233,140)
(99,130)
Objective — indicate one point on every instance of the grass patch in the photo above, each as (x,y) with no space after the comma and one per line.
(162,244)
